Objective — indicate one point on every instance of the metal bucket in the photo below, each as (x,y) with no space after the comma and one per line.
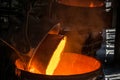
(81,3)
(78,67)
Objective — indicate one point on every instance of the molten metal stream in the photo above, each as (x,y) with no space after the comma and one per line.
(53,62)
(55,57)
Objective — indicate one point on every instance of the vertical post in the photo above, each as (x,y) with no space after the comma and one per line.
(117,39)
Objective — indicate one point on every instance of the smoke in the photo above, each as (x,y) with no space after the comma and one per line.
(82,24)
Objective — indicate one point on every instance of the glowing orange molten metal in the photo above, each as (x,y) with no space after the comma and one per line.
(34,70)
(73,63)
(52,64)
(55,57)
(65,63)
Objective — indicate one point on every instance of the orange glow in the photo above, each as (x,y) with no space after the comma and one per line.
(34,70)
(63,63)
(81,3)
(55,57)
(74,63)
(19,64)
(91,4)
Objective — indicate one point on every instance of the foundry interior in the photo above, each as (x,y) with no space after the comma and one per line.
(59,40)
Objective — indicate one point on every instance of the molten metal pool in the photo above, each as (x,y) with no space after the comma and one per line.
(55,64)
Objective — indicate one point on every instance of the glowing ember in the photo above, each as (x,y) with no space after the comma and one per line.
(55,57)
